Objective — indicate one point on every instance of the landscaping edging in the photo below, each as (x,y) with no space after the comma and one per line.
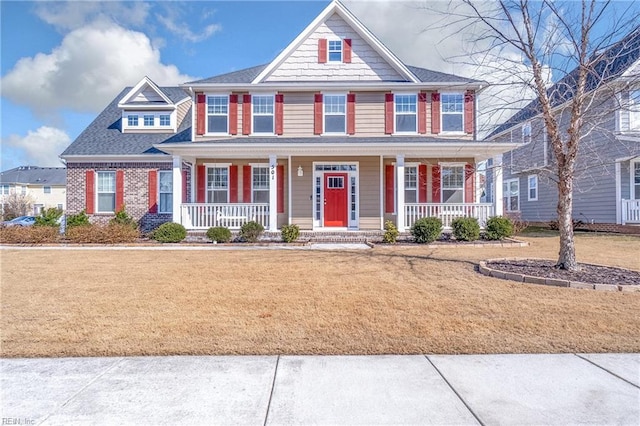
(529,279)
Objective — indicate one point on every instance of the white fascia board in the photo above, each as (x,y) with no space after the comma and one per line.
(629,71)
(116,158)
(138,87)
(133,107)
(338,86)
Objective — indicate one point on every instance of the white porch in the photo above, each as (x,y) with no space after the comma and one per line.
(630,212)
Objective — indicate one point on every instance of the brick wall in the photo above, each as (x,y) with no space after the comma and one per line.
(136,190)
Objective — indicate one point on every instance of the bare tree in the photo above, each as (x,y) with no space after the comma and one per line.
(16,204)
(571,41)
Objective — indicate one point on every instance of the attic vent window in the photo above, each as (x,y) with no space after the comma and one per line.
(335,50)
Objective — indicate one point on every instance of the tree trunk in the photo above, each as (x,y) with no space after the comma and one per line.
(567,255)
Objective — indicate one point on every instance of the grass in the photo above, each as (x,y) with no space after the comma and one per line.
(400,300)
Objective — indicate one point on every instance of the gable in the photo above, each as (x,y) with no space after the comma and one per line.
(147,94)
(366,64)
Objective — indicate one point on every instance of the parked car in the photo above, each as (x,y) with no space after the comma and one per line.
(20,221)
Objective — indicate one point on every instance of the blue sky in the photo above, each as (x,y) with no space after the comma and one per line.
(62,62)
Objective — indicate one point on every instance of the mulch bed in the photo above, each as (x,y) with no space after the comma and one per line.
(588,273)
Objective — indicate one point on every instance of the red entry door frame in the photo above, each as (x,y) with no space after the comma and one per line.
(336,197)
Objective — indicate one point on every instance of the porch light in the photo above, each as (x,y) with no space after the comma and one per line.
(300,171)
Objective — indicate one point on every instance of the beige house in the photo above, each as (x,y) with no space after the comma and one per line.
(336,133)
(44,187)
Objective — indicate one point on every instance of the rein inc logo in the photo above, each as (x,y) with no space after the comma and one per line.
(18,421)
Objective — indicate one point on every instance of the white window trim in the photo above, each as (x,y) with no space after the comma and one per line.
(262,165)
(506,194)
(529,188)
(417,166)
(464,176)
(395,127)
(527,125)
(167,192)
(324,114)
(44,189)
(273,115)
(156,120)
(632,169)
(451,132)
(329,50)
(206,115)
(97,193)
(216,166)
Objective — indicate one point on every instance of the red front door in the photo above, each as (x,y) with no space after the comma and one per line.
(335,200)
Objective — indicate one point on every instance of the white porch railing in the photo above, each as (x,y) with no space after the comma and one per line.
(448,212)
(232,216)
(630,211)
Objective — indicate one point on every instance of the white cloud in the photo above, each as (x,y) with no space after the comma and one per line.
(91,65)
(38,148)
(72,15)
(180,29)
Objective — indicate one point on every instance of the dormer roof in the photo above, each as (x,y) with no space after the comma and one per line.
(147,94)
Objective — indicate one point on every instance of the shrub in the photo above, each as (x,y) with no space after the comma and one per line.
(80,219)
(103,234)
(219,234)
(251,231)
(390,232)
(169,232)
(122,218)
(49,217)
(519,225)
(554,225)
(498,228)
(28,235)
(290,233)
(466,228)
(426,230)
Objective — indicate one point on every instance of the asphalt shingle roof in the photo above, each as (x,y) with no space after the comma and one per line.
(104,137)
(34,175)
(615,61)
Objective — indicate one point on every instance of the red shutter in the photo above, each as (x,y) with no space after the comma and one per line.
(351,113)
(435,184)
(280,192)
(279,112)
(389,188)
(233,114)
(317,114)
(346,51)
(246,184)
(388,113)
(201,101)
(201,181)
(90,192)
(185,196)
(469,177)
(435,113)
(322,50)
(246,114)
(119,190)
(233,184)
(468,111)
(422,183)
(422,113)
(153,191)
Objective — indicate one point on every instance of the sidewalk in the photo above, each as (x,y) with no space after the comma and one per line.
(414,389)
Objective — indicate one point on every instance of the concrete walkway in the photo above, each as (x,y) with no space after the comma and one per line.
(258,390)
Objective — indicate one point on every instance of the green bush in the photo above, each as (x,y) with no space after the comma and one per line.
(80,219)
(122,218)
(49,217)
(169,232)
(426,230)
(390,232)
(498,228)
(219,234)
(251,231)
(102,234)
(290,233)
(466,228)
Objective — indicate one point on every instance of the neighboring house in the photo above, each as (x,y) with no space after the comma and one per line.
(45,186)
(336,133)
(607,178)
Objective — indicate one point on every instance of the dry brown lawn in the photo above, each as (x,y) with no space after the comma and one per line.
(401,300)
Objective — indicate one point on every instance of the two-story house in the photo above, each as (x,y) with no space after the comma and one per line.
(336,133)
(607,177)
(42,187)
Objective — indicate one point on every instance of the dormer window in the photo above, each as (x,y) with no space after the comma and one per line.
(132,121)
(148,120)
(165,120)
(335,50)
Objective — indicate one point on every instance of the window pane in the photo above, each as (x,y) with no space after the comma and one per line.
(452,122)
(260,178)
(452,177)
(217,105)
(218,123)
(405,123)
(263,104)
(106,181)
(334,104)
(406,103)
(219,197)
(451,102)
(165,120)
(335,50)
(148,120)
(261,196)
(132,120)
(452,196)
(410,196)
(263,124)
(166,181)
(166,203)
(106,202)
(334,123)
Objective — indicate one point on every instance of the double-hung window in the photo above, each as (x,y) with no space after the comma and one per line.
(452,105)
(406,107)
(452,184)
(4,190)
(533,187)
(260,184)
(218,114)
(46,189)
(165,191)
(218,185)
(634,110)
(132,120)
(106,189)
(263,114)
(335,50)
(511,195)
(335,111)
(411,184)
(165,120)
(149,120)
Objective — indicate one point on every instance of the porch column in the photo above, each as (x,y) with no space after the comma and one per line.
(497,186)
(273,193)
(177,188)
(400,192)
(619,193)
